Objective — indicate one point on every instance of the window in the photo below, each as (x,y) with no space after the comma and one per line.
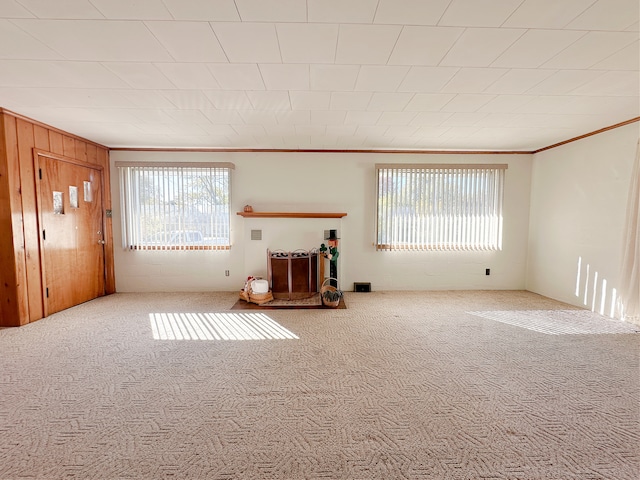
(439,207)
(175,206)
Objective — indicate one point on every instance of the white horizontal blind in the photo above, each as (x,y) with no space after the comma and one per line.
(439,207)
(175,206)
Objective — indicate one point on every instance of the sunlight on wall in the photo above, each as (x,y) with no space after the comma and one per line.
(596,293)
(217,326)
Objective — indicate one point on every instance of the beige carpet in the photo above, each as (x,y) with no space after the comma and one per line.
(400,385)
(561,322)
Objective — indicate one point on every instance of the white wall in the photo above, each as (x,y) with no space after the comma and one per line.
(332,182)
(578,204)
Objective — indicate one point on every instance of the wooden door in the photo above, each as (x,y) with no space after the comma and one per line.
(71,231)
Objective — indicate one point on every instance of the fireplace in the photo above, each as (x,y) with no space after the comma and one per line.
(292,275)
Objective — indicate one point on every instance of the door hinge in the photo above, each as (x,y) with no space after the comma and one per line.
(44,235)
(47,292)
(40,173)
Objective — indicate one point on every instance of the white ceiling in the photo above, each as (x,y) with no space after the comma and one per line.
(322,74)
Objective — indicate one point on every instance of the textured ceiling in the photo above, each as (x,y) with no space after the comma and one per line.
(322,74)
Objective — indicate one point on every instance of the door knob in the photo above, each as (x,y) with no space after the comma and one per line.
(101,242)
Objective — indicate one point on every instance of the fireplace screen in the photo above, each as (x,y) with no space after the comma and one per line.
(293,275)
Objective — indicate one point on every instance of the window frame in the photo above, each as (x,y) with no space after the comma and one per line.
(443,226)
(131,234)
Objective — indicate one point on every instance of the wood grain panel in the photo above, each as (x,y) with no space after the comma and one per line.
(55,142)
(41,137)
(72,254)
(26,142)
(48,127)
(68,146)
(21,287)
(92,154)
(18,312)
(81,151)
(110,275)
(9,314)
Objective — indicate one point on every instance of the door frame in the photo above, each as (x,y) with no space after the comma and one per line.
(37,153)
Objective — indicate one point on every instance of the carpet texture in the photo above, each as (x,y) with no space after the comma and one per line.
(561,322)
(400,385)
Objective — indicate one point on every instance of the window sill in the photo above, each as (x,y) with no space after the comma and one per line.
(180,248)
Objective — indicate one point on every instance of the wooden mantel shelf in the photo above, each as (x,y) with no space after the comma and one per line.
(291,214)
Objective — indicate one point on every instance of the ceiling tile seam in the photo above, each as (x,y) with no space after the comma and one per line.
(555,71)
(355,84)
(36,17)
(219,43)
(522,2)
(235,5)
(593,68)
(444,12)
(615,53)
(273,25)
(117,75)
(176,106)
(582,84)
(404,109)
(584,34)
(163,4)
(598,30)
(62,57)
(524,32)
(105,19)
(264,83)
(462,31)
(27,9)
(484,91)
(395,44)
(586,9)
(375,13)
(155,65)
(597,61)
(404,77)
(173,18)
(335,50)
(175,60)
(461,94)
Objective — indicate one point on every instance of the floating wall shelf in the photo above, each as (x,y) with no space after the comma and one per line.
(291,214)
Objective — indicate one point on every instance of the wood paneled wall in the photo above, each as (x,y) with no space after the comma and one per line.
(20,271)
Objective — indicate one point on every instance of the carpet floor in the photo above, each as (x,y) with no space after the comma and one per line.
(401,385)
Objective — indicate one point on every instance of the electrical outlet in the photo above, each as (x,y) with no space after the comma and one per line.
(226,273)
(487,271)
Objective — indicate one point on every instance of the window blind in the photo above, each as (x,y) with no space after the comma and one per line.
(439,207)
(175,206)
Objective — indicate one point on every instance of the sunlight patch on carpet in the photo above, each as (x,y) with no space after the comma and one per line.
(217,326)
(560,322)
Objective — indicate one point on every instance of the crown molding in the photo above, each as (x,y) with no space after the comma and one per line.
(367,151)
